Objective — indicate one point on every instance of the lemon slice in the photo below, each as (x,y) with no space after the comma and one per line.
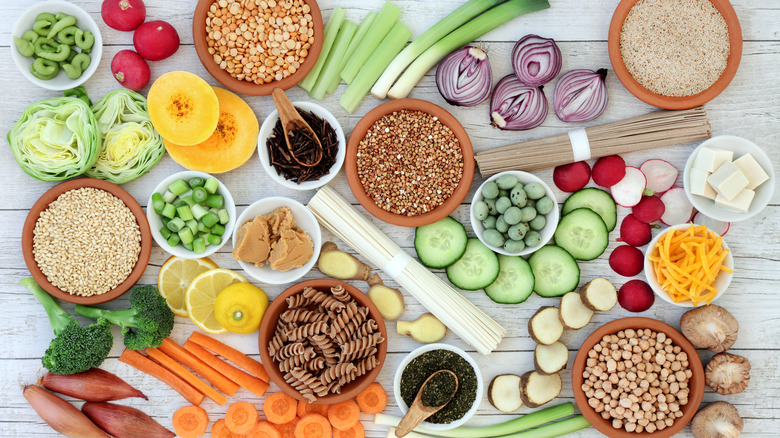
(202,293)
(174,277)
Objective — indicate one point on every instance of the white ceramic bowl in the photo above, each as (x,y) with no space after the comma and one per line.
(739,146)
(84,22)
(546,232)
(304,219)
(424,349)
(155,221)
(722,281)
(267,128)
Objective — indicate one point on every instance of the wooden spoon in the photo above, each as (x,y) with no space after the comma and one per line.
(292,121)
(418,412)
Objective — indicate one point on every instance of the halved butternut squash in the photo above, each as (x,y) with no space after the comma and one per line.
(183,108)
(230,145)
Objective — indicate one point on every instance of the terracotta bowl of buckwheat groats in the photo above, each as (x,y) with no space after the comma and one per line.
(409,162)
(637,377)
(675,54)
(254,46)
(86,241)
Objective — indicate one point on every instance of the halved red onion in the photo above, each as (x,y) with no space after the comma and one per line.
(580,95)
(517,107)
(536,60)
(464,77)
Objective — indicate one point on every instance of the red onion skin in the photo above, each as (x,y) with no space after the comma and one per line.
(61,415)
(95,385)
(516,107)
(536,60)
(124,421)
(463,79)
(580,95)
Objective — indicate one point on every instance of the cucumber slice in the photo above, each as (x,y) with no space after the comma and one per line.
(515,281)
(441,243)
(476,269)
(582,233)
(595,199)
(555,271)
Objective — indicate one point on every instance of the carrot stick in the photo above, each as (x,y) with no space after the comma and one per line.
(248,381)
(241,417)
(280,408)
(185,374)
(344,415)
(253,366)
(190,421)
(152,368)
(373,399)
(177,352)
(313,426)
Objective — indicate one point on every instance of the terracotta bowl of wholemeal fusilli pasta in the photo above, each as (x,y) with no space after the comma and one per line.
(323,341)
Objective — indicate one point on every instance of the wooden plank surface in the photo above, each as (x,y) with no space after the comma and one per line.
(749,107)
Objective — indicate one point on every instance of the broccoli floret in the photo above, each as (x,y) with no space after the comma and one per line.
(145,324)
(74,348)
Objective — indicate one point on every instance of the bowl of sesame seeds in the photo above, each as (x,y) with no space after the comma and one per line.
(409,162)
(86,241)
(675,54)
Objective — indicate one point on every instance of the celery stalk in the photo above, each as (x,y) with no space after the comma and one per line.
(553,430)
(331,31)
(389,47)
(330,68)
(451,22)
(382,24)
(470,31)
(360,33)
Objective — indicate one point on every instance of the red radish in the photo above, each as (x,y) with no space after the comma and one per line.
(124,421)
(130,69)
(626,260)
(572,177)
(629,190)
(609,170)
(124,15)
(634,232)
(156,40)
(91,385)
(660,174)
(678,208)
(61,415)
(714,225)
(636,296)
(649,209)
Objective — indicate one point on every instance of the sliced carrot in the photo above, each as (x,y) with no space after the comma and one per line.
(220,430)
(287,430)
(190,421)
(253,366)
(152,368)
(241,417)
(313,426)
(373,399)
(264,429)
(166,361)
(280,408)
(251,383)
(192,362)
(306,407)
(344,415)
(355,431)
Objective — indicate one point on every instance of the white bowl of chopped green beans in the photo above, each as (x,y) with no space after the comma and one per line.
(191,214)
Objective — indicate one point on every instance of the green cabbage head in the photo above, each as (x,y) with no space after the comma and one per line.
(131,146)
(55,139)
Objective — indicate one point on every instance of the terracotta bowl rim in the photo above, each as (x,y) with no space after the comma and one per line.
(669,102)
(43,202)
(268,325)
(245,87)
(359,132)
(696,383)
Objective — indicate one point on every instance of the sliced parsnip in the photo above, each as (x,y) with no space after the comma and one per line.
(599,294)
(425,329)
(550,359)
(388,300)
(504,393)
(545,326)
(537,389)
(574,314)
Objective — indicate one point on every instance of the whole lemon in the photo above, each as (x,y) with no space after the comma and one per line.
(240,307)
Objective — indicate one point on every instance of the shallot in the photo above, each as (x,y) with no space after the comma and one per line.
(580,95)
(124,421)
(536,60)
(93,385)
(464,77)
(516,107)
(61,415)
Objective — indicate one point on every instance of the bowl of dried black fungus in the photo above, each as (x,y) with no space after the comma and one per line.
(292,168)
(425,361)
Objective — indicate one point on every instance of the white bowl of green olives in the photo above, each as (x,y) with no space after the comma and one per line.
(514,213)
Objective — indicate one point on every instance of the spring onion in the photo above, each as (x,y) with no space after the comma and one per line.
(464,77)
(158,203)
(169,211)
(552,430)
(337,52)
(178,187)
(360,33)
(470,31)
(211,185)
(165,232)
(215,201)
(330,33)
(199,194)
(516,107)
(382,24)
(536,60)
(580,95)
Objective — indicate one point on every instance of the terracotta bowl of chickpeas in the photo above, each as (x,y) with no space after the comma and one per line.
(252,47)
(637,376)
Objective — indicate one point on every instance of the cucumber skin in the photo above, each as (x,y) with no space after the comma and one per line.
(426,261)
(540,252)
(522,296)
(595,216)
(476,286)
(583,193)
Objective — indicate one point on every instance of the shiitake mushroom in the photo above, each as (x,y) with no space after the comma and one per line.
(727,373)
(711,327)
(716,420)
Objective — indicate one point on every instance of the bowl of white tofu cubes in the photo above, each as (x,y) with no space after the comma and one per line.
(729,178)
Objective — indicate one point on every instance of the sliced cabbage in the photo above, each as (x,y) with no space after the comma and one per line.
(55,139)
(131,146)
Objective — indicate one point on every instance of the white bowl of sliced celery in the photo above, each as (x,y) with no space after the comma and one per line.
(191,214)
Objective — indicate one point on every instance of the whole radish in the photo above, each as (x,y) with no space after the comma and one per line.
(124,15)
(636,296)
(61,415)
(609,170)
(130,70)
(125,421)
(649,209)
(634,232)
(571,177)
(626,260)
(156,40)
(94,385)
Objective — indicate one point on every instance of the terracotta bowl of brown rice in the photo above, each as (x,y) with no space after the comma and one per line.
(86,241)
(675,54)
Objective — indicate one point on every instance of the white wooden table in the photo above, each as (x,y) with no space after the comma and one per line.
(750,107)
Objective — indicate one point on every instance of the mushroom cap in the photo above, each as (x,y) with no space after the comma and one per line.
(727,373)
(717,420)
(711,327)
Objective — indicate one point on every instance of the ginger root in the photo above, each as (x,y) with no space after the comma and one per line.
(338,264)
(388,300)
(426,329)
